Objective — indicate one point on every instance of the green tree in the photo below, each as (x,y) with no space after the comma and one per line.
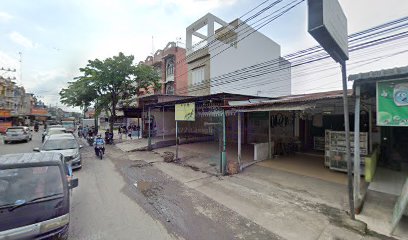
(78,94)
(109,81)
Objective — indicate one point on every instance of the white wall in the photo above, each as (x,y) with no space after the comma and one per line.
(169,123)
(254,49)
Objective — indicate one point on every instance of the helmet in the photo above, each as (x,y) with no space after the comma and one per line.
(99,135)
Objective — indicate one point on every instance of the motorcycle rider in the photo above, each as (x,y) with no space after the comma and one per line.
(99,141)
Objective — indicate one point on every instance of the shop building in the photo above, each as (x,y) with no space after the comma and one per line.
(231,58)
(380,195)
(170,64)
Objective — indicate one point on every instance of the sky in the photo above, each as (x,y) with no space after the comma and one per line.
(57,37)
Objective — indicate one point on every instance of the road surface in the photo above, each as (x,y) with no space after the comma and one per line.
(99,209)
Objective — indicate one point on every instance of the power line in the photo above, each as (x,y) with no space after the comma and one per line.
(270,20)
(323,56)
(218,78)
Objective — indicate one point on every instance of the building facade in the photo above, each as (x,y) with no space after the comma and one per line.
(171,65)
(235,58)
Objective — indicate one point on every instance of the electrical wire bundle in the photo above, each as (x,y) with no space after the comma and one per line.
(364,47)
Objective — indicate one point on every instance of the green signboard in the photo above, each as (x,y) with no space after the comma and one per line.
(392,103)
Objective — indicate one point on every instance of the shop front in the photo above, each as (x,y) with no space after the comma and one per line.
(386,172)
(305,134)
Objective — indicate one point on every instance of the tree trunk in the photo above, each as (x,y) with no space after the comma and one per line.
(113,116)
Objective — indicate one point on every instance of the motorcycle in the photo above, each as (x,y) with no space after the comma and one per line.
(99,151)
(90,140)
(109,138)
(36,128)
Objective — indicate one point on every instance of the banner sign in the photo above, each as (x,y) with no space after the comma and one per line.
(4,126)
(39,111)
(392,103)
(185,112)
(5,113)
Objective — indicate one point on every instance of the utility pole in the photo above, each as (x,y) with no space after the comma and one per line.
(327,23)
(21,67)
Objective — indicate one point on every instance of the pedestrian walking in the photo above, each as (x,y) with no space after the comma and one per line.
(130,132)
(120,133)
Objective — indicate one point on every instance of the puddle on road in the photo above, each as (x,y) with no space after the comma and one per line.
(143,185)
(148,189)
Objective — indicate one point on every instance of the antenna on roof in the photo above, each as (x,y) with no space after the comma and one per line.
(152,46)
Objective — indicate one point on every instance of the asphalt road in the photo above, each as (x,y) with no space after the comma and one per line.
(99,208)
(20,147)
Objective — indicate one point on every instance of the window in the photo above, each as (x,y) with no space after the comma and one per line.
(170,88)
(170,67)
(198,76)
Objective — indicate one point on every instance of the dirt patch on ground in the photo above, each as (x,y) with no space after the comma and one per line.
(185,212)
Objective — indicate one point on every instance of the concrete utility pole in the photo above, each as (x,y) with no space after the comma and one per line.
(347,132)
(327,23)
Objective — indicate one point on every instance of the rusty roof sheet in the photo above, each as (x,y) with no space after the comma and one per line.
(291,99)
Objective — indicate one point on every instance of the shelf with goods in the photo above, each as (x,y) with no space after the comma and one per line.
(335,149)
(319,143)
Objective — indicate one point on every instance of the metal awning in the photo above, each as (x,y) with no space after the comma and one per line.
(299,107)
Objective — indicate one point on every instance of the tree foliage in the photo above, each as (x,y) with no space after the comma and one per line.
(106,82)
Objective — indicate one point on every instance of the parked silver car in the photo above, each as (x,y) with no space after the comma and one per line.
(18,134)
(67,145)
(53,131)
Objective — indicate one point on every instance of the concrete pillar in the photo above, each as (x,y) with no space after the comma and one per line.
(269,136)
(357,171)
(239,140)
(189,40)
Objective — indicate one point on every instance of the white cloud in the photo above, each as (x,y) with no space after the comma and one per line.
(4,17)
(8,61)
(20,39)
(47,84)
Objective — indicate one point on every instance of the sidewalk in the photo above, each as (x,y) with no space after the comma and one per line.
(286,204)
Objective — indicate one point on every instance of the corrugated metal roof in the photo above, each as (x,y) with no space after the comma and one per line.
(287,100)
(384,73)
(284,107)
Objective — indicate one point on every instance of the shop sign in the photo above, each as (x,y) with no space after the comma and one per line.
(39,111)
(5,113)
(392,103)
(185,112)
(4,126)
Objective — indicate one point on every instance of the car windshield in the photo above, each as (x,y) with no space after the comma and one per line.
(15,130)
(68,124)
(60,144)
(24,184)
(56,131)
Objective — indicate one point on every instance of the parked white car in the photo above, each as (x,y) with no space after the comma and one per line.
(18,134)
(67,145)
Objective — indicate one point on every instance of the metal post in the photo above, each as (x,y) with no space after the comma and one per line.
(239,140)
(176,140)
(149,141)
(224,145)
(370,127)
(142,127)
(357,147)
(269,136)
(163,123)
(347,131)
